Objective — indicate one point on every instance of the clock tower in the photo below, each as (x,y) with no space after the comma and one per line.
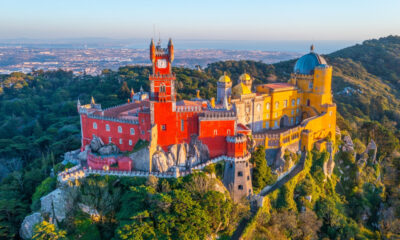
(162,80)
(162,94)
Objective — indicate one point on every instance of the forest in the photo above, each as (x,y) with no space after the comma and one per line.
(39,123)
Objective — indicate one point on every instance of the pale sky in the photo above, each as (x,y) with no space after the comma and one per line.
(202,19)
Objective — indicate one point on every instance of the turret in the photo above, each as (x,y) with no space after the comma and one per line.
(152,51)
(171,50)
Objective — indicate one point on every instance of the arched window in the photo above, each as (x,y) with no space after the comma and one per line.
(130,142)
(215,132)
(276,105)
(132,131)
(308,102)
(258,107)
(285,103)
(107,127)
(293,102)
(267,106)
(298,101)
(162,88)
(120,141)
(94,125)
(119,129)
(310,85)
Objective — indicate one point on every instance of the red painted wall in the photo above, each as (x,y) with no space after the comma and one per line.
(236,149)
(164,116)
(190,125)
(216,142)
(88,131)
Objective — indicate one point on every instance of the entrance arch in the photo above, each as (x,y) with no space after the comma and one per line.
(284,122)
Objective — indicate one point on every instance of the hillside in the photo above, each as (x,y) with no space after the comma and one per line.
(39,123)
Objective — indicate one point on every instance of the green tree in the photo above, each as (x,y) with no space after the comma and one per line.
(262,174)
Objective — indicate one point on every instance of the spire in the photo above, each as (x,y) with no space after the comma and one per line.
(132,92)
(141,88)
(92,101)
(312,48)
(78,103)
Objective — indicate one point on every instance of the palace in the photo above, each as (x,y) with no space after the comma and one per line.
(299,115)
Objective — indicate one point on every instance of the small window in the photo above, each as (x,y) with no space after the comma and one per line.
(268,105)
(276,114)
(293,102)
(298,101)
(130,142)
(94,125)
(330,113)
(310,85)
(258,107)
(107,127)
(109,140)
(120,141)
(215,132)
(267,115)
(291,121)
(228,132)
(285,103)
(267,125)
(119,129)
(142,132)
(247,164)
(142,120)
(276,124)
(292,112)
(276,105)
(240,187)
(297,111)
(240,174)
(132,130)
(163,127)
(182,125)
(248,178)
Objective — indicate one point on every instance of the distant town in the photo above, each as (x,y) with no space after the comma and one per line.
(92,61)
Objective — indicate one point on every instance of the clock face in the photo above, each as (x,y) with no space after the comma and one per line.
(161,63)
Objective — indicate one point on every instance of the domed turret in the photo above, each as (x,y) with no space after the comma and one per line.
(246,79)
(224,78)
(307,63)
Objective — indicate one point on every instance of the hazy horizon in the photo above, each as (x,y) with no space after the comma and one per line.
(255,20)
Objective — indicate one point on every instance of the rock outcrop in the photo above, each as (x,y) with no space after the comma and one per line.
(198,152)
(141,159)
(54,205)
(96,143)
(71,157)
(330,164)
(348,145)
(161,161)
(108,149)
(27,226)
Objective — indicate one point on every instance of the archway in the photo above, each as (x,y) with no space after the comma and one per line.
(284,122)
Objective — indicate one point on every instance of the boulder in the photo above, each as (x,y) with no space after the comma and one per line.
(71,157)
(160,161)
(141,159)
(348,145)
(96,143)
(86,209)
(54,205)
(27,226)
(198,152)
(82,155)
(108,149)
(182,154)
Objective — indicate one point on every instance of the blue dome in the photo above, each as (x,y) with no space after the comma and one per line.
(307,63)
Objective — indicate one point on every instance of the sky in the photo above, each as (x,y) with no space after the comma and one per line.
(255,20)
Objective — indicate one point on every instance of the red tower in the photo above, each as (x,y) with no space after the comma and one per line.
(162,80)
(162,93)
